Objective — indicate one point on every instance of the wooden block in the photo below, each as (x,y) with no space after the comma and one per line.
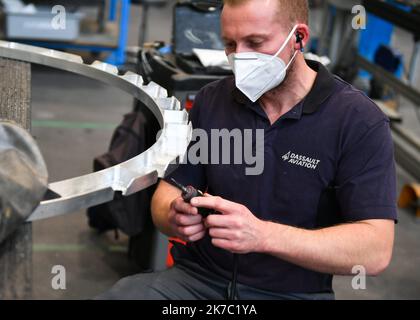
(16,250)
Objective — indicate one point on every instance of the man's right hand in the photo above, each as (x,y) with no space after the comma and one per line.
(185,222)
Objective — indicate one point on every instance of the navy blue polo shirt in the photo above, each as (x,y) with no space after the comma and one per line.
(329,160)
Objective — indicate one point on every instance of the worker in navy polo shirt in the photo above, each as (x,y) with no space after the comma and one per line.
(325,201)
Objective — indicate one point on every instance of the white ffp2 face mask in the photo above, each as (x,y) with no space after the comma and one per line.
(256,73)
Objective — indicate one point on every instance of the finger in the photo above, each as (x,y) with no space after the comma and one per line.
(219,221)
(216,203)
(184,207)
(191,230)
(182,219)
(222,233)
(196,236)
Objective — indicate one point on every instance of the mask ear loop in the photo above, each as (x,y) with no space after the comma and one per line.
(284,45)
(291,60)
(286,41)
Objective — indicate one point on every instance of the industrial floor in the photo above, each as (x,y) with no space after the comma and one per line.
(73,120)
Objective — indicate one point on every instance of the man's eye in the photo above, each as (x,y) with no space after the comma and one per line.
(254,44)
(229,45)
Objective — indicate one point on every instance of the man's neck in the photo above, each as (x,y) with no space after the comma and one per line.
(283,98)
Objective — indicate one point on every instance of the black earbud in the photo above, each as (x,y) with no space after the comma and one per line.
(299,39)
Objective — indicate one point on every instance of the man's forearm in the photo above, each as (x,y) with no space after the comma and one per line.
(334,250)
(160,218)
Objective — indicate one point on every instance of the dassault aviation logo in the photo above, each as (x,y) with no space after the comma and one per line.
(302,161)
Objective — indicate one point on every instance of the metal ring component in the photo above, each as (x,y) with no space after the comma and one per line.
(128,177)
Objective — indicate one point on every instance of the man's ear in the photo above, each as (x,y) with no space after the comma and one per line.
(302,36)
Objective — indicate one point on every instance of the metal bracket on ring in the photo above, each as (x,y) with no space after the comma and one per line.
(130,176)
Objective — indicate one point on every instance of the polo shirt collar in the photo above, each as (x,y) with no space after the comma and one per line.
(321,90)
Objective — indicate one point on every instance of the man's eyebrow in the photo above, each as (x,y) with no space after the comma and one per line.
(250,36)
(257,35)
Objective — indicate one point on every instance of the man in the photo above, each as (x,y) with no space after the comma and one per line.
(325,201)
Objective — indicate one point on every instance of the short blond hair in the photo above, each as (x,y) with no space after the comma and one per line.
(296,10)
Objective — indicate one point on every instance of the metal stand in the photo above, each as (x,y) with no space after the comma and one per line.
(145,6)
(336,29)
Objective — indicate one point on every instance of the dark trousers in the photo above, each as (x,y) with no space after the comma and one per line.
(192,282)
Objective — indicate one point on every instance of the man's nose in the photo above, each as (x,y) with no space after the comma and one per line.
(241,48)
